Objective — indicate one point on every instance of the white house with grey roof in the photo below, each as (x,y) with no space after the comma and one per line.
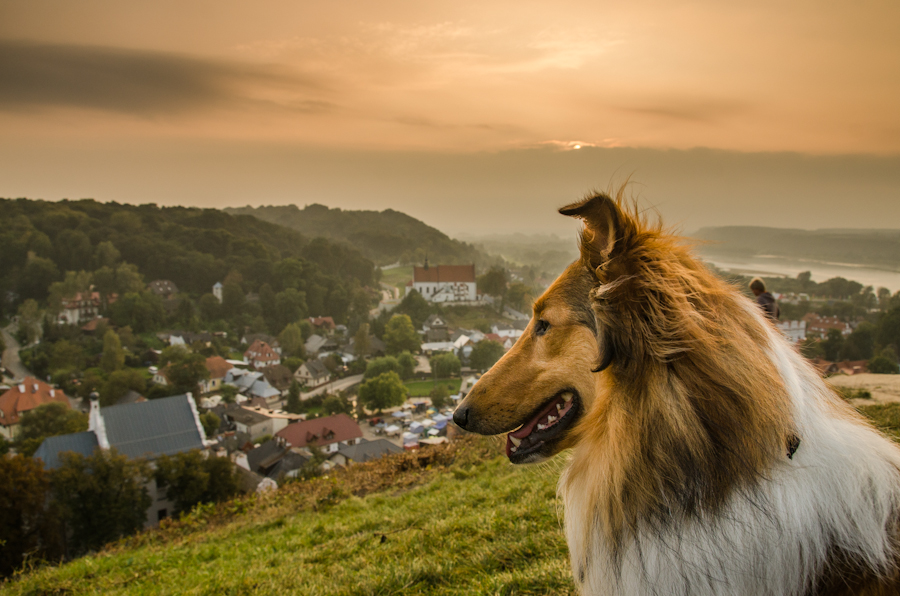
(143,430)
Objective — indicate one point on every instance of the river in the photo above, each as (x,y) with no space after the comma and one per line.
(771,266)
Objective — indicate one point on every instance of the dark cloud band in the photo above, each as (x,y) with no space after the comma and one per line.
(34,76)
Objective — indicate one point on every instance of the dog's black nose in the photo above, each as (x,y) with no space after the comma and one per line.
(461,416)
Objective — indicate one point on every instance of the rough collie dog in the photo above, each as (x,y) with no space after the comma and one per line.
(707,456)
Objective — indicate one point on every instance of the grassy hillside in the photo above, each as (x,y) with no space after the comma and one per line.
(876,248)
(450,520)
(385,237)
(457,519)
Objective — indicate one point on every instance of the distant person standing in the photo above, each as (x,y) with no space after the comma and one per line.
(764,299)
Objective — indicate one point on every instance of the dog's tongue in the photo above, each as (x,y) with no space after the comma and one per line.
(526,428)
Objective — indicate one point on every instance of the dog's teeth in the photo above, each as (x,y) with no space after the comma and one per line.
(567,397)
(551,419)
(541,427)
(516,442)
(558,407)
(513,449)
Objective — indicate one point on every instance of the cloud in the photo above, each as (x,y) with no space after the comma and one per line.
(705,110)
(144,83)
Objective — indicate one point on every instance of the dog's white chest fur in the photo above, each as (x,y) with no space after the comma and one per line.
(841,489)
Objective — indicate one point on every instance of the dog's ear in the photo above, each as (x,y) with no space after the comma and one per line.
(605,227)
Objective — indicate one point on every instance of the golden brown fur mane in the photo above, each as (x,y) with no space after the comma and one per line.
(691,407)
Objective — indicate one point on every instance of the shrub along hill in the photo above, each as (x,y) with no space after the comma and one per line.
(456,519)
(385,237)
(875,248)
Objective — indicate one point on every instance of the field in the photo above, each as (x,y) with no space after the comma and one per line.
(398,276)
(423,388)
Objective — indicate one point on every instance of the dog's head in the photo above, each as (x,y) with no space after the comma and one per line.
(547,381)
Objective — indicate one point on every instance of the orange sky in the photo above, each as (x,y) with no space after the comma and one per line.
(140,101)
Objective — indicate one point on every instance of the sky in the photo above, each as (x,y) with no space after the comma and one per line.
(475,117)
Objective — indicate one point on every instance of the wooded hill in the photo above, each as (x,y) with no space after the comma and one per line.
(876,248)
(385,237)
(195,248)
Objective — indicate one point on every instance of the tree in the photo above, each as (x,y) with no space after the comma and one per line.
(119,383)
(30,317)
(400,335)
(101,498)
(407,364)
(290,305)
(190,479)
(27,527)
(415,305)
(493,282)
(229,393)
(889,328)
(47,420)
(142,311)
(210,309)
(860,345)
(66,355)
(832,345)
(485,354)
(519,296)
(445,365)
(36,278)
(381,365)
(361,344)
(336,404)
(883,366)
(294,405)
(233,299)
(291,340)
(106,255)
(384,391)
(440,396)
(113,357)
(186,371)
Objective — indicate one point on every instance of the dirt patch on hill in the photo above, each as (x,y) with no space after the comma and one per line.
(884,388)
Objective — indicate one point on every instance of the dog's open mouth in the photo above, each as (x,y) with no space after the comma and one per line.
(534,440)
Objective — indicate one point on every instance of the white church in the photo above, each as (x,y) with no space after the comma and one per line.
(444,283)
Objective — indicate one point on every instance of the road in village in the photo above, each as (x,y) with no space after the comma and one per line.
(10,359)
(333,386)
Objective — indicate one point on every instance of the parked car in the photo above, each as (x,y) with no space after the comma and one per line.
(374,421)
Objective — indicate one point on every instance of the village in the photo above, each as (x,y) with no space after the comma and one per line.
(288,407)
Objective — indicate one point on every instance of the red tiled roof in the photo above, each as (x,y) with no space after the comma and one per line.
(27,395)
(321,431)
(217,367)
(326,322)
(445,273)
(262,352)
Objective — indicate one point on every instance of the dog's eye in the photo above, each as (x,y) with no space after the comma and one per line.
(541,327)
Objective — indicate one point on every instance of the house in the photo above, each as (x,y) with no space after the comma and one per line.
(249,338)
(444,283)
(261,354)
(323,323)
(328,433)
(820,326)
(363,451)
(376,347)
(280,419)
(27,395)
(251,422)
(217,291)
(218,369)
(312,373)
(435,329)
(795,331)
(251,384)
(185,338)
(313,344)
(852,367)
(505,330)
(279,376)
(275,458)
(91,326)
(163,288)
(144,430)
(83,306)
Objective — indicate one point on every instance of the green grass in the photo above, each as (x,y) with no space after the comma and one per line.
(397,277)
(423,388)
(454,520)
(481,526)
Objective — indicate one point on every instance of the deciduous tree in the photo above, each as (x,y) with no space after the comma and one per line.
(384,391)
(381,365)
(190,478)
(47,420)
(400,335)
(485,354)
(113,357)
(101,498)
(445,365)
